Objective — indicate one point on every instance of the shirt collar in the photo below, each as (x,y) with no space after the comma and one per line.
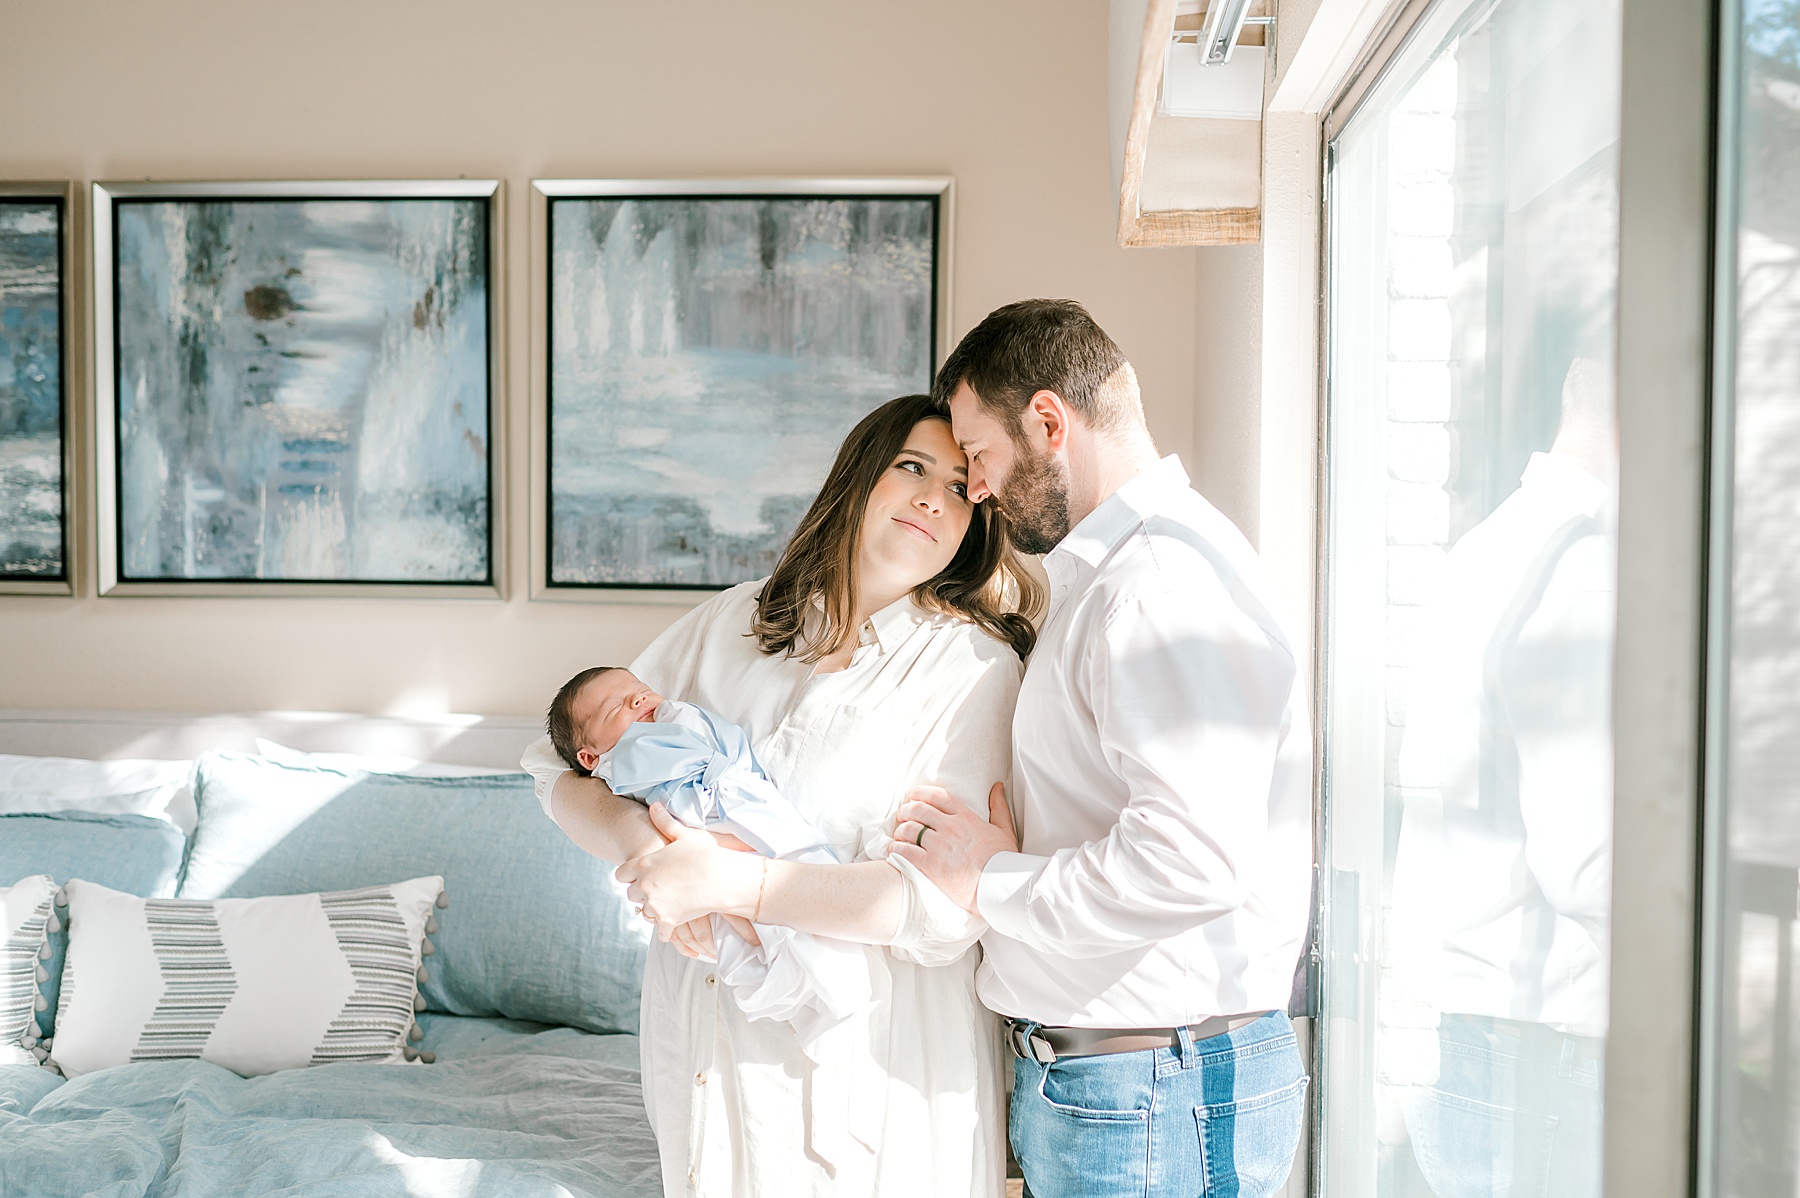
(893,623)
(887,627)
(1125,509)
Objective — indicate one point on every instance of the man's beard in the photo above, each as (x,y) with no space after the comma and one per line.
(1035,501)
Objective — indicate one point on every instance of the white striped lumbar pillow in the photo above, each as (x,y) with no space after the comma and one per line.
(255,985)
(25,925)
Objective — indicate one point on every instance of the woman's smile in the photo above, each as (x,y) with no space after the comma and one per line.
(916,528)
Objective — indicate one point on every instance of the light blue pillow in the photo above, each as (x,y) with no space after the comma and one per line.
(536,929)
(132,853)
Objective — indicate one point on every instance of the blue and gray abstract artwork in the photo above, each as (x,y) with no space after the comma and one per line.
(707,357)
(31,455)
(303,390)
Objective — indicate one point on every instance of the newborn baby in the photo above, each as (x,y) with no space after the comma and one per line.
(606,722)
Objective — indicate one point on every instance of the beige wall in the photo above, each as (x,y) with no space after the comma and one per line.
(1009,97)
(1228,339)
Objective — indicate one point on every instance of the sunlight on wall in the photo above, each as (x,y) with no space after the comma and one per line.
(428,698)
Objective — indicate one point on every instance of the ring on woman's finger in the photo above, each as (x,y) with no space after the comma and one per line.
(920,838)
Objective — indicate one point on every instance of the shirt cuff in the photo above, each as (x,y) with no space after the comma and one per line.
(546,769)
(1004,889)
(928,919)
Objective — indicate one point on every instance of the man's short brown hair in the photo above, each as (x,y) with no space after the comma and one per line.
(1042,345)
(560,724)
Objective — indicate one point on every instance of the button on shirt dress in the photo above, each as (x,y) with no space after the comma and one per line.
(910,1104)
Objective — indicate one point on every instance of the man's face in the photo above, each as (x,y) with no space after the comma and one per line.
(1030,486)
(604,708)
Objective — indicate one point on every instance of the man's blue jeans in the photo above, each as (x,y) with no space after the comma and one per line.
(1213,1118)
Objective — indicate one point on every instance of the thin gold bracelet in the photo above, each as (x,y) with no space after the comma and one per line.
(756,915)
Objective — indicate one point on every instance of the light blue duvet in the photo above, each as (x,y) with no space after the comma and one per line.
(509,1108)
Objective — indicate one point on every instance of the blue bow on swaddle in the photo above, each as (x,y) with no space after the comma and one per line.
(702,769)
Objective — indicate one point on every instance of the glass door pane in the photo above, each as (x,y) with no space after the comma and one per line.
(1756,1133)
(1470,575)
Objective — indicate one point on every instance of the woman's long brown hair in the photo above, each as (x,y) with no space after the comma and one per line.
(985,583)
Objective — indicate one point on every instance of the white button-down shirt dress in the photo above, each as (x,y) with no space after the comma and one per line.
(911,1105)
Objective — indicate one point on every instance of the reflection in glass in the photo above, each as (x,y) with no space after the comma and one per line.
(1471,590)
(1757,1137)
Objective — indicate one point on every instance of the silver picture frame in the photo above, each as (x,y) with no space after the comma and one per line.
(543,192)
(72,425)
(113,579)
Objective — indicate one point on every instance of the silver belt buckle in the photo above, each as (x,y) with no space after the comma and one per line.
(1030,1046)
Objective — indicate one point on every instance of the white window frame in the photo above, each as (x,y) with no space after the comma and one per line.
(1326,61)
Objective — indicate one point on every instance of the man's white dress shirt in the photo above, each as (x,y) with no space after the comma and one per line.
(1162,755)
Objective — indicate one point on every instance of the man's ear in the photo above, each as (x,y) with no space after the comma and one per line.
(588,759)
(1046,421)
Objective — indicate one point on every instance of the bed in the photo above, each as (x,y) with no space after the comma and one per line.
(511,1105)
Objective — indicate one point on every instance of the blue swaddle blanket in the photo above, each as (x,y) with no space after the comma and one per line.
(702,769)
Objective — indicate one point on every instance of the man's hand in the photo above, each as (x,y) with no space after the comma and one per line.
(689,877)
(950,844)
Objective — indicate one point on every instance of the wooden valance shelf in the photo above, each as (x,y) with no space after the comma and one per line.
(1182,180)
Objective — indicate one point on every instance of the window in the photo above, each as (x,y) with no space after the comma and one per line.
(1470,592)
(1754,1127)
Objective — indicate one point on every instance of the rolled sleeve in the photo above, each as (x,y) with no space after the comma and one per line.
(933,930)
(545,767)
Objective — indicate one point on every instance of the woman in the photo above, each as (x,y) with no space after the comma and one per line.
(884,652)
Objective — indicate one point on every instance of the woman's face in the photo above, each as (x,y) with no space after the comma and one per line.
(918,512)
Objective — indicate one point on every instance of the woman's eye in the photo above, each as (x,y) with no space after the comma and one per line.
(960,489)
(909,464)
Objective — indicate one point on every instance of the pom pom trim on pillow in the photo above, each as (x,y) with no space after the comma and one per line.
(255,985)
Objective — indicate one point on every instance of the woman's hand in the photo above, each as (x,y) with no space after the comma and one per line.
(690,877)
(694,939)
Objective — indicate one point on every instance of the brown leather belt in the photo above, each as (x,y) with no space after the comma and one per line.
(1032,1042)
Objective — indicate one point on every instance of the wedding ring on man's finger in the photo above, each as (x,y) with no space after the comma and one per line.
(920,838)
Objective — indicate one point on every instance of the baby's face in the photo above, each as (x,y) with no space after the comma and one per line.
(604,708)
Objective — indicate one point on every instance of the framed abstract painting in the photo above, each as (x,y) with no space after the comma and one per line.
(36,433)
(297,387)
(708,345)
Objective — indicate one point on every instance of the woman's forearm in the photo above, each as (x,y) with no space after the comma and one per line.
(860,902)
(603,824)
(693,876)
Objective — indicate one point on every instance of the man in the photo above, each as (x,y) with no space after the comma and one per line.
(1146,924)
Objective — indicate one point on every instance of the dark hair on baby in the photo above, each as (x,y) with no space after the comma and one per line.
(560,724)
